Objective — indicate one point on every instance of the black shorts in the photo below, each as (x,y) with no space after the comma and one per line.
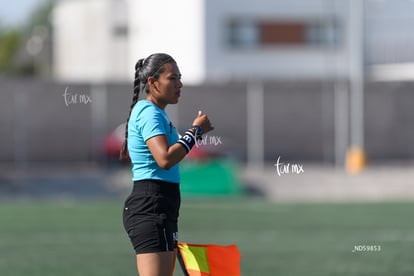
(150,216)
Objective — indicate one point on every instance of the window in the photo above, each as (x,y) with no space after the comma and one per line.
(120,30)
(119,18)
(254,34)
(243,34)
(282,33)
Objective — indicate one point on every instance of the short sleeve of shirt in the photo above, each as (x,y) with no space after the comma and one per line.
(151,123)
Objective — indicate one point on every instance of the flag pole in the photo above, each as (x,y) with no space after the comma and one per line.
(181,262)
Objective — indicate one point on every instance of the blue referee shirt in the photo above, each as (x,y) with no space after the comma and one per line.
(146,121)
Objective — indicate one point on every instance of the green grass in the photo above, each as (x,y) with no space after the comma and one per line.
(79,238)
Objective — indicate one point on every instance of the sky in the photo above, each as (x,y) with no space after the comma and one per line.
(16,12)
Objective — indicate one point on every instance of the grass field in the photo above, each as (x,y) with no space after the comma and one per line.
(79,238)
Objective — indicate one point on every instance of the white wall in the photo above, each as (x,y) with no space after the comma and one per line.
(389,31)
(118,45)
(172,27)
(272,62)
(84,47)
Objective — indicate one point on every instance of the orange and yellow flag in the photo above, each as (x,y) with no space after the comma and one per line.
(209,259)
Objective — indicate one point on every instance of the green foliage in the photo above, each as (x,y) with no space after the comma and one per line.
(13,41)
(10,42)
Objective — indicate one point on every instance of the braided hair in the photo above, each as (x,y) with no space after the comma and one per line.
(151,66)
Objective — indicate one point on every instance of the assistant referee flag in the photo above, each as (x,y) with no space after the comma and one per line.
(209,259)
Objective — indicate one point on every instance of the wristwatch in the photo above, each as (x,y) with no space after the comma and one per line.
(198,132)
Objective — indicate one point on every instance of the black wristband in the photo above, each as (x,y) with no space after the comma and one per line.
(187,140)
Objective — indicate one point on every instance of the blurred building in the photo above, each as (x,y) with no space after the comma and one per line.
(91,40)
(389,40)
(219,40)
(212,40)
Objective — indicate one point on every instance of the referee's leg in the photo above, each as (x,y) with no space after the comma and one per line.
(156,264)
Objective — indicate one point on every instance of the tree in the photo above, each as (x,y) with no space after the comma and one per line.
(10,42)
(17,56)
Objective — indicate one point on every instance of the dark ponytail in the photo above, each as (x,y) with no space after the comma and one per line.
(152,66)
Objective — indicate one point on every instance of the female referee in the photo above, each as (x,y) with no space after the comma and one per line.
(150,212)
